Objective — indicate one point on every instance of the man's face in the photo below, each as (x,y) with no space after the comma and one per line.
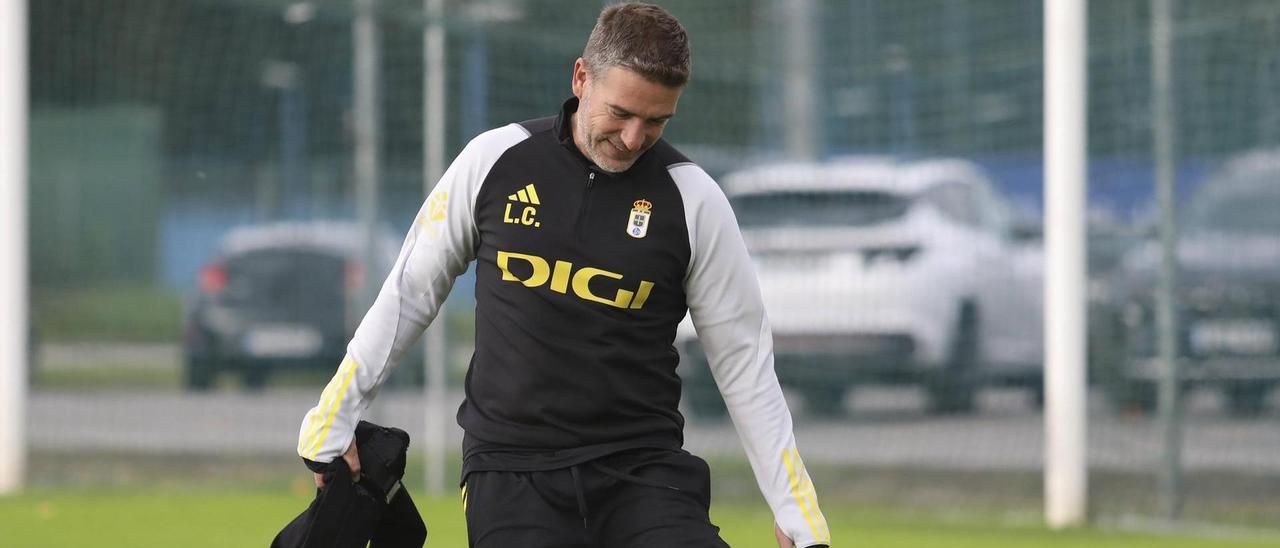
(620,115)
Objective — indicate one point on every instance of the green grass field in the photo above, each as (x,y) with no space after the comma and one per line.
(212,519)
(194,501)
(143,500)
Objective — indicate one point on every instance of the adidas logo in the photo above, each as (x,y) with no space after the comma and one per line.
(526,195)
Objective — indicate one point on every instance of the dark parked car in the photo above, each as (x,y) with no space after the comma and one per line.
(280,296)
(1228,297)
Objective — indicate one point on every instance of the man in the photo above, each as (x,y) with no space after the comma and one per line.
(592,238)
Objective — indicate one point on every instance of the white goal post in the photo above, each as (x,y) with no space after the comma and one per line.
(14,316)
(1065,472)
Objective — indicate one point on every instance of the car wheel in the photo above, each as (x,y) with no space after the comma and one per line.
(411,374)
(199,375)
(705,402)
(1036,390)
(1109,346)
(1247,399)
(698,387)
(1135,396)
(826,400)
(254,379)
(952,389)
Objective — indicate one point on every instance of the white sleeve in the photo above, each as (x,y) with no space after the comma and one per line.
(437,249)
(728,314)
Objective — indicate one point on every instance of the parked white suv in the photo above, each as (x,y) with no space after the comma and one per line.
(882,270)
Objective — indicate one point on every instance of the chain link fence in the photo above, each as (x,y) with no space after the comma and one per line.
(884,160)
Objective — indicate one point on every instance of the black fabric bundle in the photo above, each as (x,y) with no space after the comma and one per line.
(376,511)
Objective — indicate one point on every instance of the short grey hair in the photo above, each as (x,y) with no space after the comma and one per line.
(643,38)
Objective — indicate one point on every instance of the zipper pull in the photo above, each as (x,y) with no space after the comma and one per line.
(591,178)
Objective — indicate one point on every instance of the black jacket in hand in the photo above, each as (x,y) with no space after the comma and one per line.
(376,511)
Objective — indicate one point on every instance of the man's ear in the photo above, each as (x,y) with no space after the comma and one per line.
(579,80)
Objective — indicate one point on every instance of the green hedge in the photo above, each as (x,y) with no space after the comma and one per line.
(125,313)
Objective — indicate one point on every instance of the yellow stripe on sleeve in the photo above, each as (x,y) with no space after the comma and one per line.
(809,509)
(334,393)
(809,492)
(316,416)
(313,420)
(308,438)
(813,499)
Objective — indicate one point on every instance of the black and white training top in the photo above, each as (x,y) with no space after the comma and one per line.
(581,279)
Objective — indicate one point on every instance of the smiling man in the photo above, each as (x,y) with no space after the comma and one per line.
(592,238)
(620,114)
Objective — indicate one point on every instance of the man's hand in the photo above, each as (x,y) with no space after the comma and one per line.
(783,540)
(352,456)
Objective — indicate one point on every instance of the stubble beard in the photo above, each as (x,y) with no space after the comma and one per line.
(597,157)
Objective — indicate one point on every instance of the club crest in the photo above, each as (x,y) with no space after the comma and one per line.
(638,221)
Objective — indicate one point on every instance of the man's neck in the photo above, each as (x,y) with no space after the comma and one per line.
(577,139)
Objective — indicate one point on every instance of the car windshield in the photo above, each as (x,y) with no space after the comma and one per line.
(284,277)
(1255,211)
(854,208)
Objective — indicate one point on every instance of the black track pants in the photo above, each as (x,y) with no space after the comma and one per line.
(636,499)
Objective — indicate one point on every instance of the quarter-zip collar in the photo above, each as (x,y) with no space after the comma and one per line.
(564,124)
(564,133)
